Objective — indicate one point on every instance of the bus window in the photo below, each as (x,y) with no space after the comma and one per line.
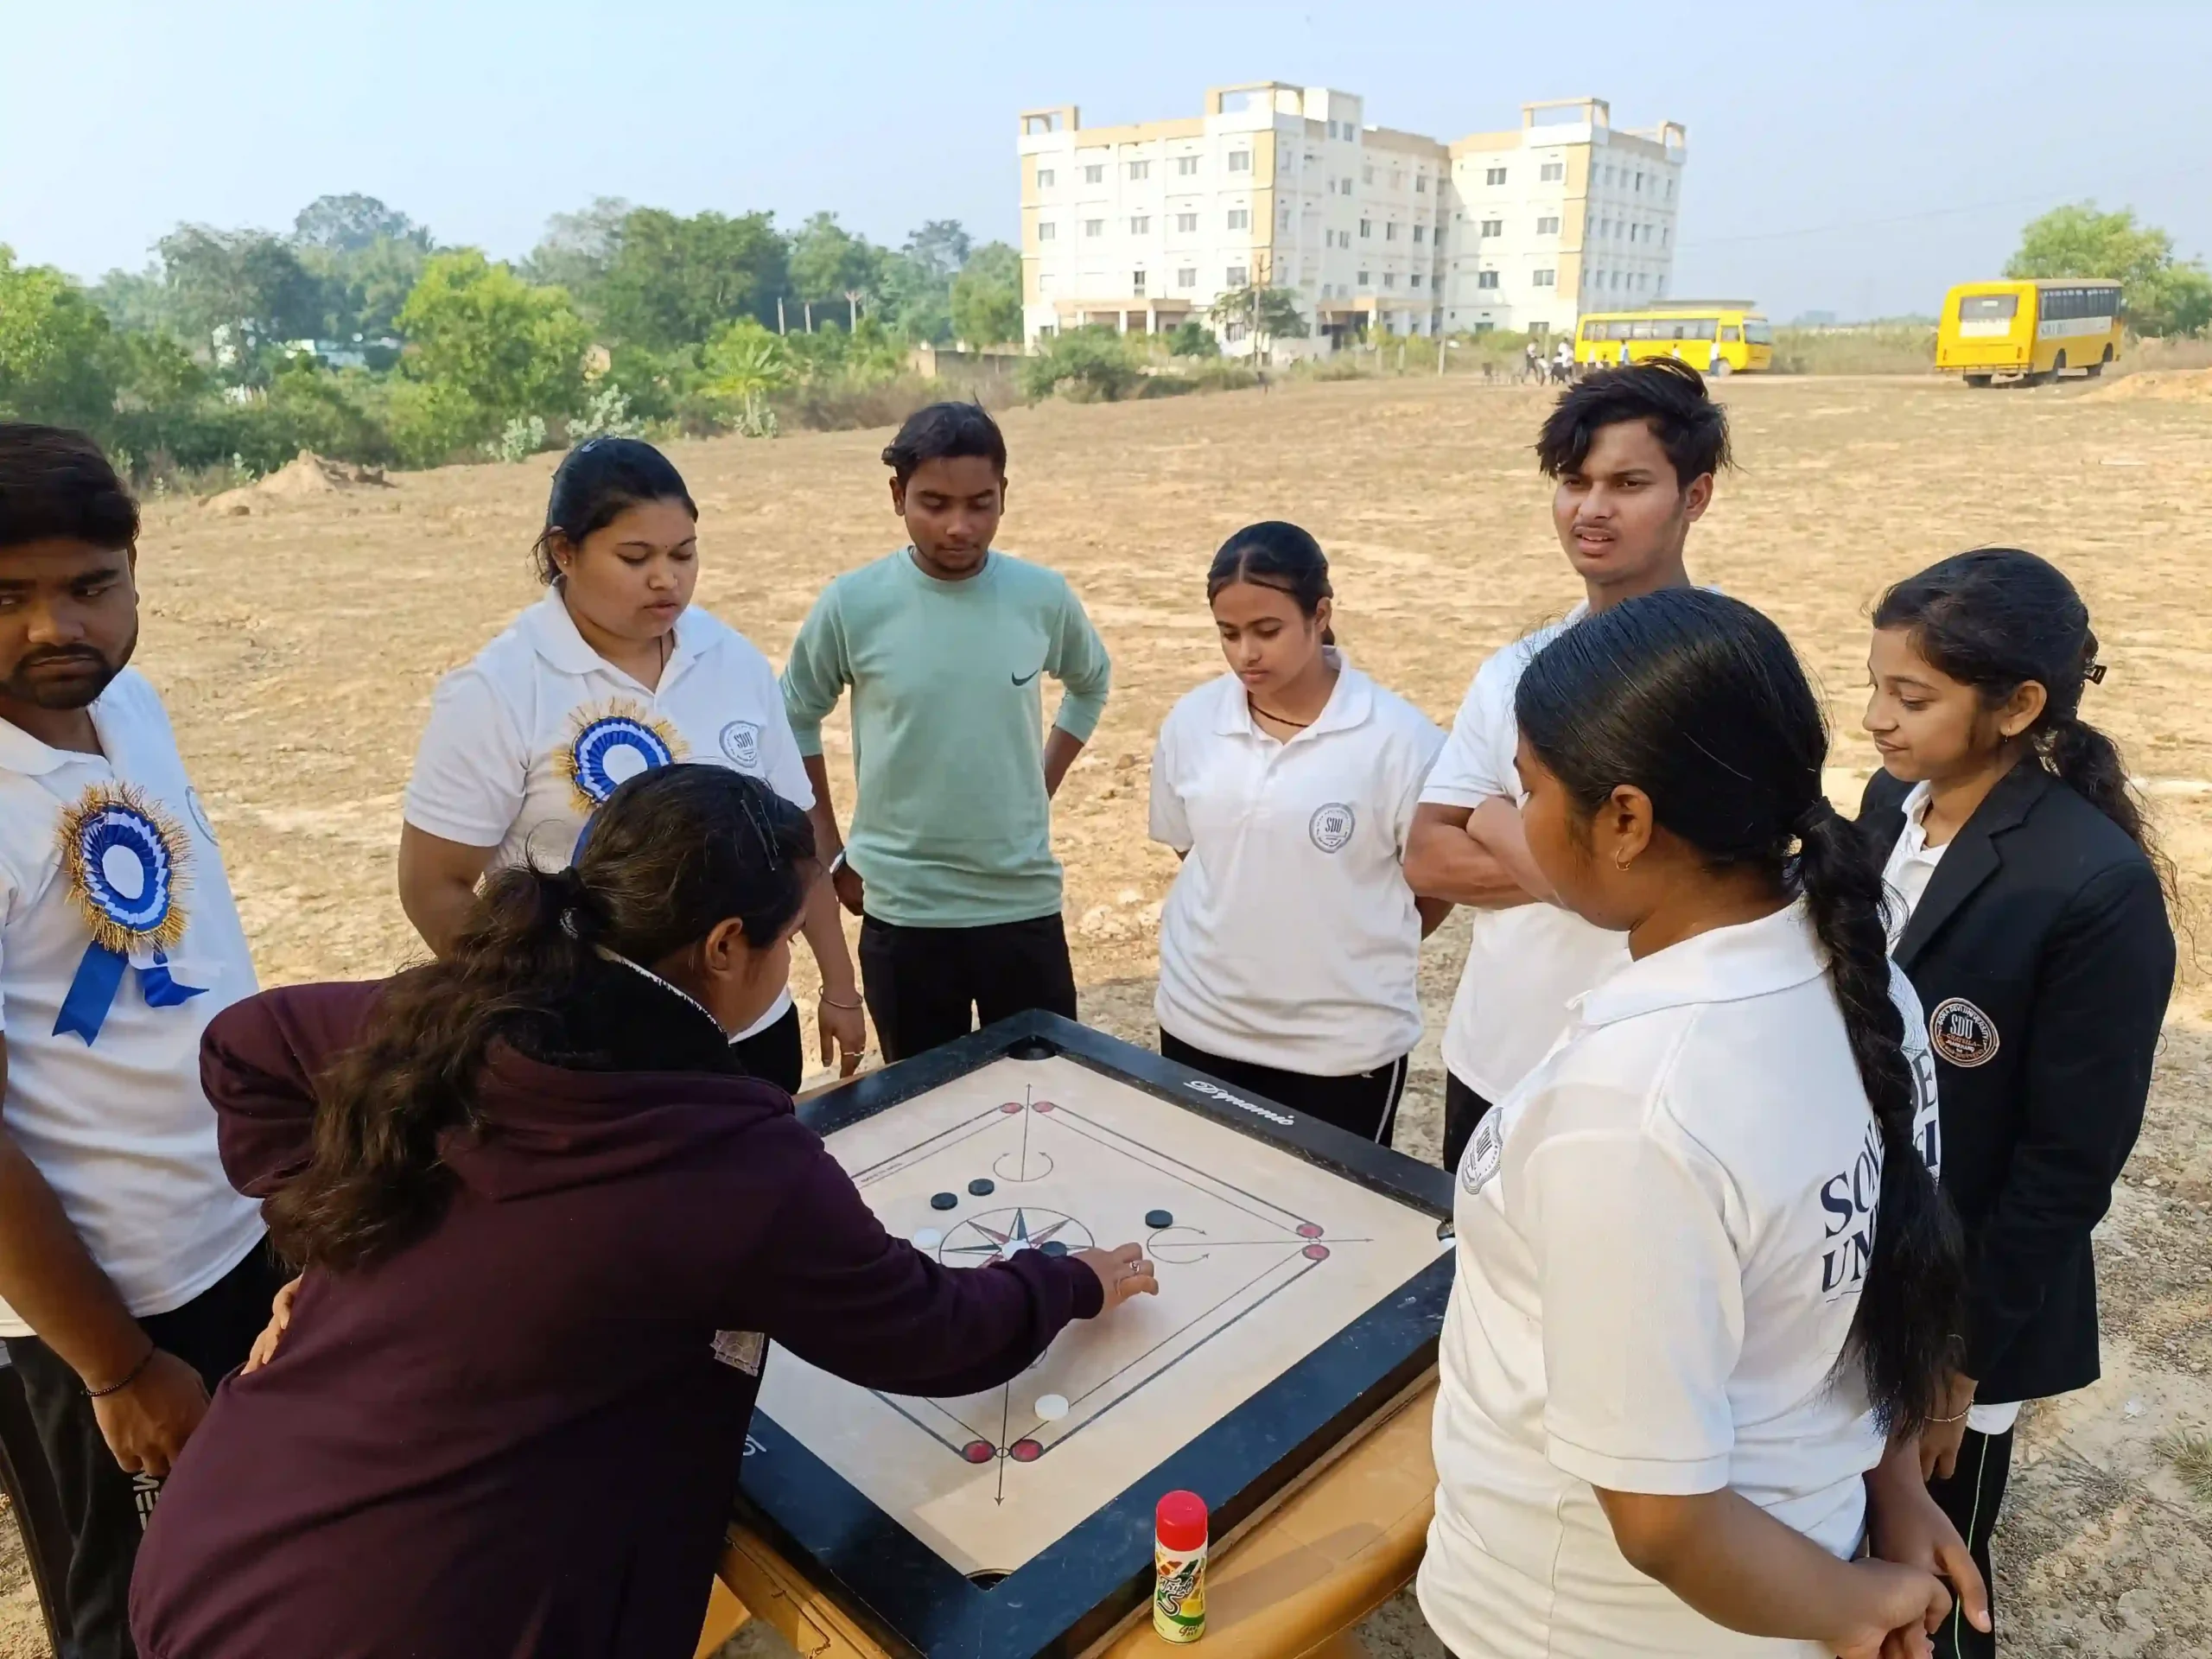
(2104,302)
(1592,331)
(1988,307)
(1704,331)
(1758,331)
(1639,331)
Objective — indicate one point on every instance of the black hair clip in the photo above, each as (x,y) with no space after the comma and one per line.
(763,831)
(2094,673)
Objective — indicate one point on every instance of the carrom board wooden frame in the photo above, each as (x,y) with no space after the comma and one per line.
(1068,1597)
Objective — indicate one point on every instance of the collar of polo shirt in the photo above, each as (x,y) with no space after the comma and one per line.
(552,634)
(1350,703)
(20,752)
(1724,965)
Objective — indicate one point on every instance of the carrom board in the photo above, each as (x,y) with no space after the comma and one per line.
(1303,1275)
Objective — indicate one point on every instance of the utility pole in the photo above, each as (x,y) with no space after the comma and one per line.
(852,309)
(779,315)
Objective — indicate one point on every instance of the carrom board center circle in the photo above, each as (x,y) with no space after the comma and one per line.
(1002,1234)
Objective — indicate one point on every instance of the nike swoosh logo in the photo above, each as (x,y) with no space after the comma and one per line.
(1024,679)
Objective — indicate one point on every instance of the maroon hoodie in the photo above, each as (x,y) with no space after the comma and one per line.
(515,1437)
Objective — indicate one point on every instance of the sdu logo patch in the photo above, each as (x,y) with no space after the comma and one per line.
(1483,1155)
(1961,1033)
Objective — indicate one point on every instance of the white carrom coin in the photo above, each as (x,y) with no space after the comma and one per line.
(1262,1258)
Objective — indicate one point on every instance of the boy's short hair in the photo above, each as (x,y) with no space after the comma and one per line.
(941,432)
(55,483)
(1664,392)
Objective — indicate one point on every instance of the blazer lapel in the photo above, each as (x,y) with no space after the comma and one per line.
(1971,857)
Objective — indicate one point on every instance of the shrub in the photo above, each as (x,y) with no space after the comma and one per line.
(1193,338)
(1088,364)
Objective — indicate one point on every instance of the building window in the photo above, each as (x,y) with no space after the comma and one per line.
(1365,280)
(1420,234)
(1187,276)
(1233,333)
(1240,161)
(1493,227)
(1240,218)
(1093,227)
(1095,174)
(1639,184)
(1046,231)
(1389,232)
(1390,279)
(1670,189)
(1421,184)
(1333,129)
(1494,175)
(1186,166)
(1136,283)
(1397,180)
(1367,175)
(1141,224)
(1186,224)
(1366,227)
(1239,275)
(1663,236)
(1044,282)
(1044,178)
(1140,169)
(1542,277)
(1414,281)
(1551,173)
(1547,225)
(1486,279)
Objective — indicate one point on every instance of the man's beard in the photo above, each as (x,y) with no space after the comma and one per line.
(78,692)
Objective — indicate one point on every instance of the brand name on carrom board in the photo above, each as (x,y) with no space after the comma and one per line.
(1223,1095)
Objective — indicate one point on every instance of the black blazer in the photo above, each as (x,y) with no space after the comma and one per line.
(2044,959)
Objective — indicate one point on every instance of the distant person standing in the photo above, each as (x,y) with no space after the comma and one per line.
(133,1277)
(1635,454)
(943,644)
(1563,361)
(1532,362)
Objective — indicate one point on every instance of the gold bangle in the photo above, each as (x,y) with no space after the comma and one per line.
(849,1008)
(1961,1418)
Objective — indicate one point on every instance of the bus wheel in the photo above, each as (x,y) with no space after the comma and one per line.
(1721,369)
(1977,380)
(2059,367)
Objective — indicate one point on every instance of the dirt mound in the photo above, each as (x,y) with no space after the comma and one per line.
(2167,385)
(305,475)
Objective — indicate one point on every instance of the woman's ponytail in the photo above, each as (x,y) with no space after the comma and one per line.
(1904,1332)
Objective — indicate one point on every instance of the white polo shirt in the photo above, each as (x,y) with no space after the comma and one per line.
(1661,1238)
(525,742)
(118,1126)
(1525,964)
(1290,937)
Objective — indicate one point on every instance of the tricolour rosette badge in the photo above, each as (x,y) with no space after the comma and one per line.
(125,861)
(611,743)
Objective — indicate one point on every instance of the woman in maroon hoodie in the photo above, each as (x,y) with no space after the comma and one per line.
(547,1223)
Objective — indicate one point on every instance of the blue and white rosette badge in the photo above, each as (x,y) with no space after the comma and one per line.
(125,862)
(608,745)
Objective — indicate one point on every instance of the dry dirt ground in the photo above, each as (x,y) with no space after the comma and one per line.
(297,646)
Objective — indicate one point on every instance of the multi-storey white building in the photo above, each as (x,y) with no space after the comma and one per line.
(1143,227)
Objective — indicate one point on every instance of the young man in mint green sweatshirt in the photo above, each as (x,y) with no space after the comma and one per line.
(950,863)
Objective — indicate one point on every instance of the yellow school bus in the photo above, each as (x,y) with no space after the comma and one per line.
(2030,330)
(1719,340)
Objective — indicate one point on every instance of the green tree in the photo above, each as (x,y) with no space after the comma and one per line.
(484,348)
(353,223)
(672,282)
(1090,365)
(987,297)
(578,249)
(237,291)
(2164,295)
(58,361)
(1266,313)
(1193,338)
(828,262)
(742,367)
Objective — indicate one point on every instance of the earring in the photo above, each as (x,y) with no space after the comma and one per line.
(1621,862)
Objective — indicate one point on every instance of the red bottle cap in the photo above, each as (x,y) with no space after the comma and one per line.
(1180,1522)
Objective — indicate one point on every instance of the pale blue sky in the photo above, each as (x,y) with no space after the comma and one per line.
(1856,158)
